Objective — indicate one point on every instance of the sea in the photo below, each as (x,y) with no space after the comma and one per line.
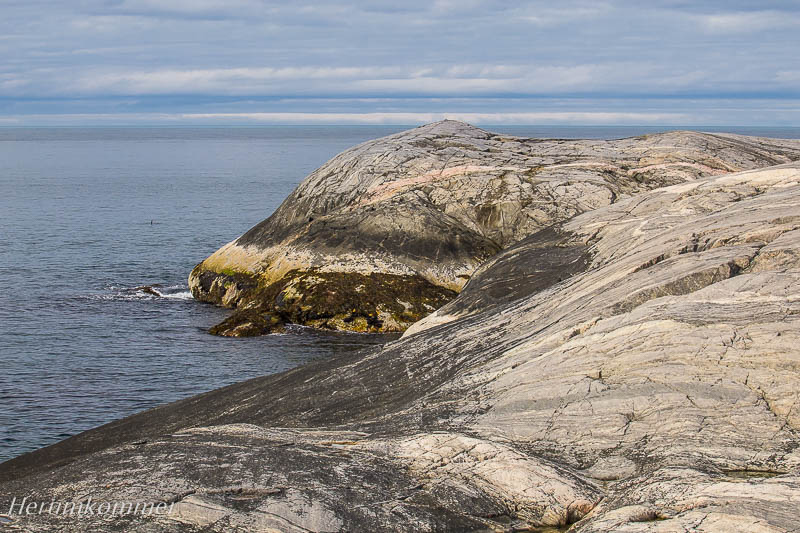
(89,216)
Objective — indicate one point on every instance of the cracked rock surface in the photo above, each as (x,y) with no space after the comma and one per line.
(429,205)
(634,368)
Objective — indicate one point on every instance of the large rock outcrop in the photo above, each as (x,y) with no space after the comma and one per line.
(388,231)
(633,369)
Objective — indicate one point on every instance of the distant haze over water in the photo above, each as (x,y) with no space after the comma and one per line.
(89,215)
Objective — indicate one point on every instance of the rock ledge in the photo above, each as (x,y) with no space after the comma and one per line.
(424,208)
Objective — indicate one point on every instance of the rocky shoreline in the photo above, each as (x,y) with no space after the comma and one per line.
(629,366)
(423,209)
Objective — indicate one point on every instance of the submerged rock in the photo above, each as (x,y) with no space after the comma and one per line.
(248,323)
(148,289)
(435,202)
(654,386)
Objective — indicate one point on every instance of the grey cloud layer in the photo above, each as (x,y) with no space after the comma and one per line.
(470,52)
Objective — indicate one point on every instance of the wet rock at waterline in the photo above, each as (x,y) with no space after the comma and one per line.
(335,300)
(248,323)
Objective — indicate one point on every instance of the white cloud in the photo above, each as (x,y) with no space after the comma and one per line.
(189,7)
(233,80)
(543,15)
(748,21)
(241,55)
(111,24)
(446,7)
(12,84)
(788,76)
(449,80)
(423,118)
(582,118)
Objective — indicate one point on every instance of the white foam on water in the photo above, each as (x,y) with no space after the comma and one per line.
(177,295)
(138,293)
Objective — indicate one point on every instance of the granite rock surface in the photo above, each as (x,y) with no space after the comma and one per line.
(427,206)
(634,368)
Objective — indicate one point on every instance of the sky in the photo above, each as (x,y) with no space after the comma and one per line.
(660,62)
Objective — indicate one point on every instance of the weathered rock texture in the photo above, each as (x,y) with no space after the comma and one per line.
(427,206)
(633,369)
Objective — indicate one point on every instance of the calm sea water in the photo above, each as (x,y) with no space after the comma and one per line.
(89,214)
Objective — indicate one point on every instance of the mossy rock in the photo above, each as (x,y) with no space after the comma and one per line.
(248,323)
(351,301)
(345,301)
(224,288)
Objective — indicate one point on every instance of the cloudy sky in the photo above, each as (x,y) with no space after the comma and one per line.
(673,62)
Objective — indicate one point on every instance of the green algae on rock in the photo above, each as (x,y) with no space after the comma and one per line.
(248,323)
(330,300)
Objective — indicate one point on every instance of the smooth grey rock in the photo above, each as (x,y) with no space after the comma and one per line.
(437,201)
(653,388)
